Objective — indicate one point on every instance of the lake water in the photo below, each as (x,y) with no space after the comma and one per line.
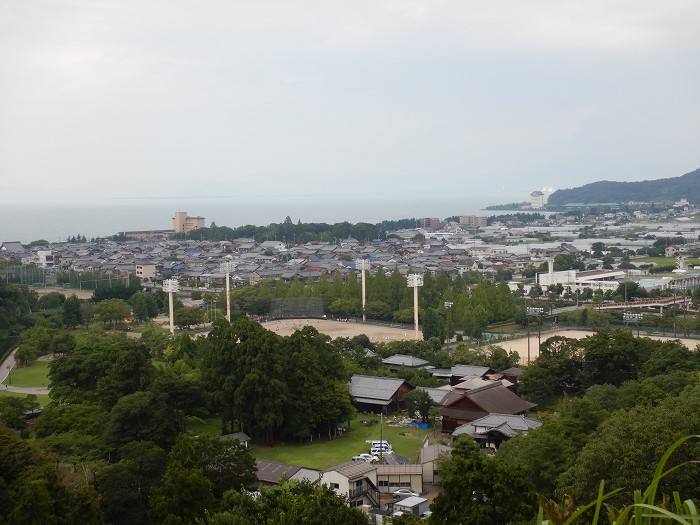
(56,221)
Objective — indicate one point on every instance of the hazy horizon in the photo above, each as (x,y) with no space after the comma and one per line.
(169,99)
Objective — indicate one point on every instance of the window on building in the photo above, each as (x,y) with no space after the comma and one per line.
(335,486)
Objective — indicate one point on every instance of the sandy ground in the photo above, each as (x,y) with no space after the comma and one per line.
(520,345)
(80,294)
(342,329)
(382,333)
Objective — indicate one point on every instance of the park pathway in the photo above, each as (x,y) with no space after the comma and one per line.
(5,368)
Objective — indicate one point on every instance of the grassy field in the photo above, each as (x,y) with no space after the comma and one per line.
(36,374)
(326,453)
(205,427)
(664,261)
(43,399)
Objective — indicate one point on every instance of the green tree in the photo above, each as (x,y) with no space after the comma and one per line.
(185,492)
(141,417)
(556,372)
(72,312)
(228,464)
(51,301)
(481,491)
(144,306)
(185,317)
(626,447)
(112,311)
(125,486)
(12,410)
(419,402)
(301,502)
(433,324)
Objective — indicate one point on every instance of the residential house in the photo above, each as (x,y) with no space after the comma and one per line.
(492,430)
(273,473)
(398,361)
(378,394)
(356,480)
(428,459)
(393,477)
(462,408)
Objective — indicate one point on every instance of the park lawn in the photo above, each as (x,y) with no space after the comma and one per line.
(323,454)
(659,261)
(205,427)
(504,328)
(43,399)
(34,375)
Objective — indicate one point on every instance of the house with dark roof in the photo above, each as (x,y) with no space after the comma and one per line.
(273,473)
(492,430)
(378,394)
(462,408)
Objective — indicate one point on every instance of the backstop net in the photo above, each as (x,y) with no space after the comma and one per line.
(297,307)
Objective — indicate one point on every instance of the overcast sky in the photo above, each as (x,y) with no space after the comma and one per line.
(170,98)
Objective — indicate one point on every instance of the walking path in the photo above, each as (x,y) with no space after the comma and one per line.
(5,368)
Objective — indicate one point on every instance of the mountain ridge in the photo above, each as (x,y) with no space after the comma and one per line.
(669,189)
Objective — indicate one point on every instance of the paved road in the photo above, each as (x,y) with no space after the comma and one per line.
(7,365)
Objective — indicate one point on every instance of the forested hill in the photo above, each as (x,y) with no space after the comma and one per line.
(672,189)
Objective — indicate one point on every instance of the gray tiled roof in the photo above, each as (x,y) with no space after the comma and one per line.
(507,424)
(405,360)
(373,388)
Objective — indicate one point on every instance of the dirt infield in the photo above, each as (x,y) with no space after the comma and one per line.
(384,333)
(376,333)
(520,345)
(81,294)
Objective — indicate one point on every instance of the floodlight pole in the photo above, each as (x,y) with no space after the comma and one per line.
(534,312)
(227,268)
(171,286)
(362,265)
(448,306)
(415,281)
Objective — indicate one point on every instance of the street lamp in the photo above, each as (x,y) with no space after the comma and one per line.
(532,311)
(448,306)
(171,286)
(630,317)
(362,265)
(414,281)
(227,267)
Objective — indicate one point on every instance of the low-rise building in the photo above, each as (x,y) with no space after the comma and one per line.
(356,480)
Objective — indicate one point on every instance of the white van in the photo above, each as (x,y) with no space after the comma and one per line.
(381,450)
(374,443)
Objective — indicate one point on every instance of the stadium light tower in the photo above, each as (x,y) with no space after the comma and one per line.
(532,311)
(171,286)
(362,265)
(227,267)
(414,281)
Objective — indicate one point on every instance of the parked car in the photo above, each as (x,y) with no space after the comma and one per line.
(369,458)
(404,493)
